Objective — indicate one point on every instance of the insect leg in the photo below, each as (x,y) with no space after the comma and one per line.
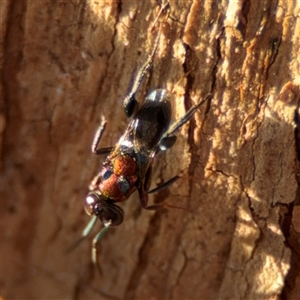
(183,120)
(164,185)
(144,201)
(130,103)
(98,137)
(144,191)
(94,182)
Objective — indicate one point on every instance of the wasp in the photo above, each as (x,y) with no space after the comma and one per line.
(127,167)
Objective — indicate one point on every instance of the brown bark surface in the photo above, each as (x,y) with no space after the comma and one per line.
(66,63)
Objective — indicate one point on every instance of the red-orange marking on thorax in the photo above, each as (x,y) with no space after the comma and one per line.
(124,165)
(124,175)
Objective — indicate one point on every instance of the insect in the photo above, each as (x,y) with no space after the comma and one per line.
(128,165)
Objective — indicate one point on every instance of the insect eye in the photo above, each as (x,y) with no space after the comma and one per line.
(112,216)
(91,203)
(109,213)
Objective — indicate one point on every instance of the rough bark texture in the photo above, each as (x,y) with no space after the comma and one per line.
(65,63)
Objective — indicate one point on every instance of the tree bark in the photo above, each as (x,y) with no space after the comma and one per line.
(66,63)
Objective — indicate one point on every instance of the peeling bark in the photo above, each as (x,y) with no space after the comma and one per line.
(65,63)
